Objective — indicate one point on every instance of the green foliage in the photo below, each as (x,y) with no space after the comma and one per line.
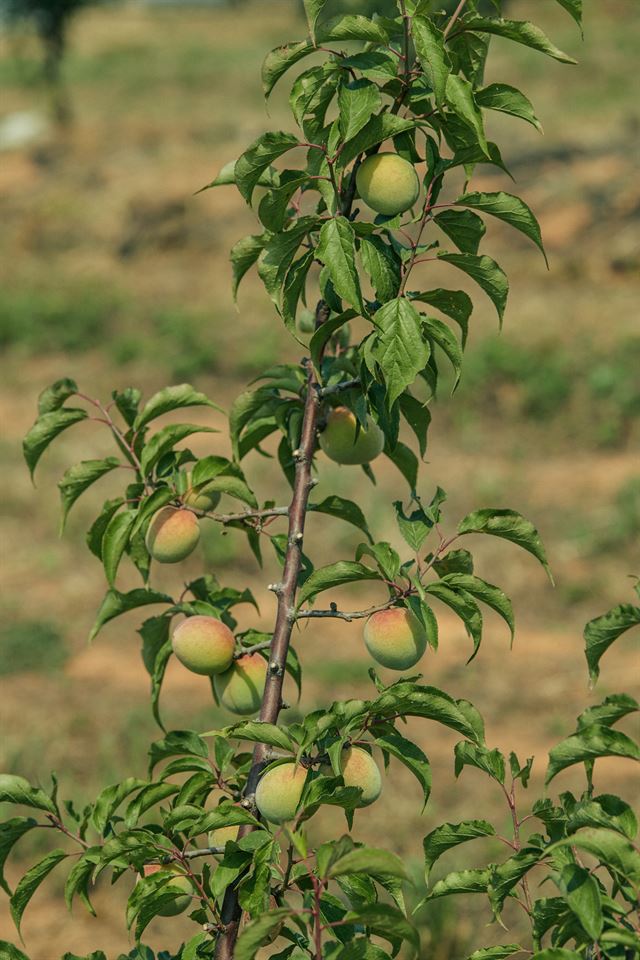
(343,900)
(31,645)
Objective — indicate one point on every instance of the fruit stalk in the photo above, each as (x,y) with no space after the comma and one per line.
(286,591)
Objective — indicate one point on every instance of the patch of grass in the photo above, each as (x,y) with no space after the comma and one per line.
(41,321)
(31,645)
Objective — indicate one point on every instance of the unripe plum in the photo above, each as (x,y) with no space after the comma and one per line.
(395,638)
(339,442)
(240,688)
(359,769)
(279,790)
(178,879)
(203,498)
(387,183)
(204,645)
(306,321)
(172,534)
(221,836)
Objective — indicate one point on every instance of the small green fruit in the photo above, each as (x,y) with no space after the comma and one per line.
(240,688)
(387,183)
(395,638)
(359,769)
(203,497)
(172,534)
(222,836)
(279,791)
(204,645)
(339,441)
(178,904)
(306,321)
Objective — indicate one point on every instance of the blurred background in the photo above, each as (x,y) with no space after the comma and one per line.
(114,273)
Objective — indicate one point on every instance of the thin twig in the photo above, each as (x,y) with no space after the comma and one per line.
(454,17)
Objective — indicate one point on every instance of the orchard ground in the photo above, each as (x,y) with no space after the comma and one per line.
(113,273)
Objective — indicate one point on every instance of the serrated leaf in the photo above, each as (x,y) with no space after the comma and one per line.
(589,744)
(574,9)
(521,32)
(473,755)
(462,604)
(400,348)
(405,460)
(606,811)
(8,951)
(30,883)
(115,541)
(53,397)
(260,155)
(453,303)
(445,339)
(378,129)
(357,102)
(493,596)
(609,847)
(334,575)
(496,953)
(281,59)
(602,631)
(506,99)
(412,699)
(80,876)
(450,835)
(313,9)
(368,860)
(46,428)
(10,832)
(346,510)
(165,439)
(430,50)
(463,227)
(257,731)
(256,933)
(243,255)
(79,478)
(460,881)
(613,708)
(170,399)
(386,921)
(351,27)
(418,417)
(381,266)
(509,525)
(110,799)
(414,528)
(582,893)
(460,99)
(486,273)
(512,210)
(14,789)
(116,603)
(336,250)
(410,754)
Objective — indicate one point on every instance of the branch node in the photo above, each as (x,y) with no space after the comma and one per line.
(275,588)
(275,669)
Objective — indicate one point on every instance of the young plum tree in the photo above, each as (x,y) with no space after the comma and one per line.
(392,108)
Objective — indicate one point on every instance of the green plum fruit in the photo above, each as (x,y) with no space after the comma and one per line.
(359,769)
(204,645)
(306,321)
(279,791)
(387,183)
(240,688)
(172,534)
(204,497)
(338,440)
(177,879)
(395,638)
(222,836)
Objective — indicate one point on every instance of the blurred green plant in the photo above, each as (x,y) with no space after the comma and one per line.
(31,645)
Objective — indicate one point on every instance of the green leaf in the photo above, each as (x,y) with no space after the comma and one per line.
(100,524)
(53,397)
(506,99)
(487,275)
(405,460)
(418,417)
(589,744)
(449,835)
(453,303)
(259,732)
(601,632)
(613,708)
(582,893)
(80,876)
(505,876)
(351,27)
(165,439)
(606,811)
(15,789)
(410,755)
(336,250)
(574,9)
(357,102)
(512,210)
(386,921)
(440,333)
(79,478)
(233,487)
(243,255)
(400,349)
(521,32)
(10,832)
(115,541)
(170,399)
(346,510)
(116,603)
(334,575)
(46,428)
(227,177)
(369,860)
(278,254)
(177,743)
(500,952)
(463,227)
(261,154)
(459,97)
(472,755)
(508,525)
(378,129)
(110,799)
(30,883)
(609,847)
(256,932)
(381,266)
(464,606)
(493,596)
(146,509)
(313,9)
(413,700)
(460,881)
(8,951)
(415,528)
(556,953)
(281,59)
(430,50)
